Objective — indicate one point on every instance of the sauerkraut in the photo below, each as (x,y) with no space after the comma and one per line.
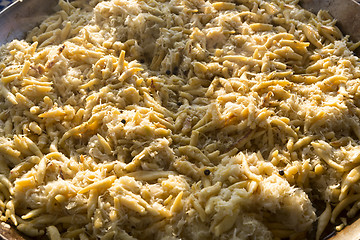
(180,119)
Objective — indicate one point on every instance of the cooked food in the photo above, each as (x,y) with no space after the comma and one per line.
(180,119)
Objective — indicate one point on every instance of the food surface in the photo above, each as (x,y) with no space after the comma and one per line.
(181,119)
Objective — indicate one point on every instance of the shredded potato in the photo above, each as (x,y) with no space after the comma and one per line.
(180,119)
